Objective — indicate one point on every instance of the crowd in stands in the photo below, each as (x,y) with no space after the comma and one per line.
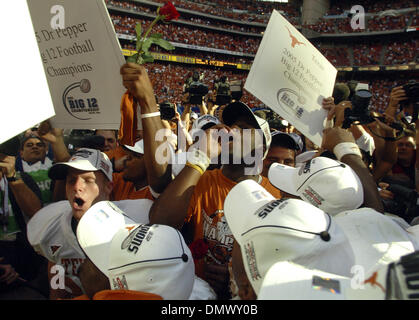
(339,25)
(402,52)
(189,35)
(370,6)
(367,54)
(372,24)
(191,18)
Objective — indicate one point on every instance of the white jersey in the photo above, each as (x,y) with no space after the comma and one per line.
(51,235)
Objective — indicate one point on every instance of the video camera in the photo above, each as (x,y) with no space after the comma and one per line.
(405,203)
(167,111)
(196,88)
(223,94)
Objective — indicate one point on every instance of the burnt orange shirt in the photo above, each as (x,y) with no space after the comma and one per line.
(206,213)
(121,295)
(124,190)
(116,153)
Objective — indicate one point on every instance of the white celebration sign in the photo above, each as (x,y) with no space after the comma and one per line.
(82,58)
(292,77)
(25,97)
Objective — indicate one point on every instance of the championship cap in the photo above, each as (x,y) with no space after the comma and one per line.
(84,159)
(270,230)
(286,280)
(204,122)
(236,109)
(397,280)
(325,183)
(139,257)
(376,239)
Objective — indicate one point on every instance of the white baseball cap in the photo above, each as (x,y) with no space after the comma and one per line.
(286,280)
(84,159)
(204,120)
(376,239)
(270,230)
(325,183)
(236,109)
(139,257)
(138,147)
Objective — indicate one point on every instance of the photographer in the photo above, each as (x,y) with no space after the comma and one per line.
(397,188)
(196,90)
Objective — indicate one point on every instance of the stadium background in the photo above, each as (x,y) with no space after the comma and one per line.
(220,37)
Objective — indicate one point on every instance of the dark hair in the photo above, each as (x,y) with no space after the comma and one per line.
(31,136)
(114,131)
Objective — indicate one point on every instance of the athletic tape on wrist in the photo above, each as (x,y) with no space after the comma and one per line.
(198,158)
(345,148)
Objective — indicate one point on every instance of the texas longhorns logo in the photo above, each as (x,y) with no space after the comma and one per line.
(294,39)
(373,281)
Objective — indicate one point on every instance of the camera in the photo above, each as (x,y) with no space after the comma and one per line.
(222,88)
(236,89)
(84,138)
(411,90)
(360,111)
(405,203)
(167,111)
(11,147)
(196,88)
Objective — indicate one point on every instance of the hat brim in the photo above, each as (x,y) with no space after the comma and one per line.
(283,177)
(289,281)
(96,229)
(59,170)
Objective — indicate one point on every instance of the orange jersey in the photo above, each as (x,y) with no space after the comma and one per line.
(116,153)
(124,190)
(206,213)
(121,295)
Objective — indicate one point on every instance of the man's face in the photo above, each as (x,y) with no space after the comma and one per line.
(278,154)
(406,148)
(110,139)
(33,150)
(134,168)
(85,188)
(246,132)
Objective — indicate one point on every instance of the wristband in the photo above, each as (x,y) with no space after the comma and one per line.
(150,115)
(198,158)
(15,177)
(345,148)
(197,168)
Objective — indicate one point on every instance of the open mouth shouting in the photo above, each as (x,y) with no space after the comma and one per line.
(78,203)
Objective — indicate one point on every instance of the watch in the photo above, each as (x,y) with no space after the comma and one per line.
(15,177)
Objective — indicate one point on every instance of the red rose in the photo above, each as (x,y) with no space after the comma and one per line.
(199,249)
(169,11)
